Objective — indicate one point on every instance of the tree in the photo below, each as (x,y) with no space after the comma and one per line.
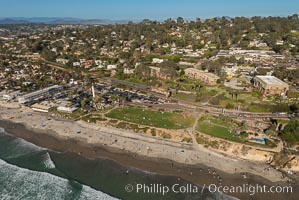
(87,80)
(290,133)
(83,103)
(180,21)
(293,108)
(48,55)
(278,48)
(262,71)
(236,95)
(181,72)
(229,106)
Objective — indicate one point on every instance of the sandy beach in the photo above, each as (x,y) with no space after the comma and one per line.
(131,149)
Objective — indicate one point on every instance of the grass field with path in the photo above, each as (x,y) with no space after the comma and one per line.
(157,119)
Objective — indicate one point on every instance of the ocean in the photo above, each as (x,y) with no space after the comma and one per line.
(30,172)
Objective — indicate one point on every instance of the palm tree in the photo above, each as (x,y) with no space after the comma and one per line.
(122,100)
(236,95)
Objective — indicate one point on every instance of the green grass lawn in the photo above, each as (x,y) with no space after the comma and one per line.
(219,122)
(220,128)
(152,118)
(249,97)
(254,108)
(268,106)
(217,131)
(185,97)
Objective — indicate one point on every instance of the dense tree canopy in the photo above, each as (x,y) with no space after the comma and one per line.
(291,132)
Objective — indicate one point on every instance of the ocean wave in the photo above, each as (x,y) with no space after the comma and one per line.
(20,183)
(16,147)
(47,161)
(19,152)
(2,130)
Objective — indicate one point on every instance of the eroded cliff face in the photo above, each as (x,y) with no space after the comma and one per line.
(237,150)
(248,153)
(292,164)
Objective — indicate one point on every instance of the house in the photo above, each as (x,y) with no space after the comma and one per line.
(76,64)
(11,95)
(62,61)
(87,64)
(157,61)
(111,67)
(82,60)
(270,85)
(98,62)
(129,71)
(279,42)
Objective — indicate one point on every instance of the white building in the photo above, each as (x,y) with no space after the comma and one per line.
(40,108)
(67,109)
(76,64)
(11,95)
(40,93)
(129,71)
(62,61)
(157,61)
(111,67)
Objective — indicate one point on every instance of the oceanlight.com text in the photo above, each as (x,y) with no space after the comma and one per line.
(250,189)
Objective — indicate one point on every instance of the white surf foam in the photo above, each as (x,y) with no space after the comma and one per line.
(2,130)
(19,183)
(47,161)
(20,147)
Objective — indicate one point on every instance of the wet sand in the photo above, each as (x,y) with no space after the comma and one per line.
(198,174)
(133,143)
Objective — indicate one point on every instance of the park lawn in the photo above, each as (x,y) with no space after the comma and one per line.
(216,89)
(258,109)
(216,131)
(185,97)
(219,122)
(157,119)
(263,106)
(249,97)
(223,103)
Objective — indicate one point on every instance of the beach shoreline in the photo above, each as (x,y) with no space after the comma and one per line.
(197,174)
(194,170)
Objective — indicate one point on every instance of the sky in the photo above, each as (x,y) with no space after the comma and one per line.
(146,9)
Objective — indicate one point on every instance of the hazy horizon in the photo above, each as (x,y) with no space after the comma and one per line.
(187,19)
(138,10)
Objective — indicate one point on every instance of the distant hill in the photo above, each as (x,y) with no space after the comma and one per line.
(12,21)
(59,20)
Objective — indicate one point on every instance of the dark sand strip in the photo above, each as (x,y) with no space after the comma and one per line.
(197,174)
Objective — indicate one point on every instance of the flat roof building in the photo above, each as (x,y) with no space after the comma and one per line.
(40,93)
(206,77)
(11,95)
(270,85)
(40,108)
